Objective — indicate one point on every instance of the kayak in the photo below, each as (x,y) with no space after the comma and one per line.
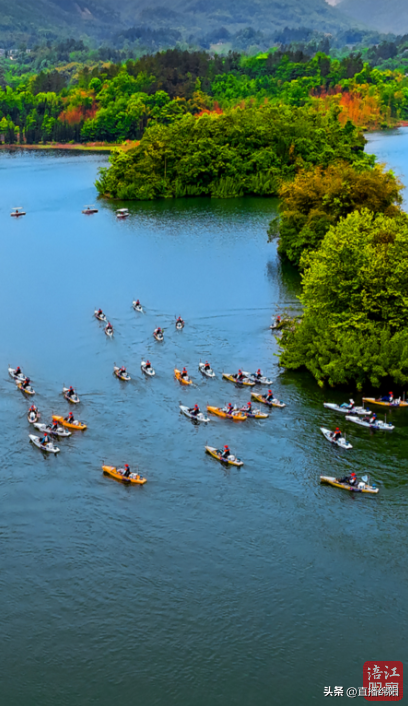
(394,403)
(179,325)
(60,431)
(70,425)
(184,381)
(88,210)
(109,332)
(235,416)
(49,448)
(340,442)
(255,414)
(384,426)
(18,378)
(27,390)
(33,417)
(100,317)
(200,417)
(122,376)
(271,403)
(208,372)
(258,381)
(232,378)
(137,307)
(74,399)
(122,213)
(345,486)
(345,408)
(118,474)
(215,453)
(147,371)
(158,336)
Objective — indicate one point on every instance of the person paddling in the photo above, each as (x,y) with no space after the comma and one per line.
(70,418)
(25,384)
(207,366)
(45,440)
(269,397)
(126,472)
(336,435)
(71,392)
(226,453)
(351,479)
(184,374)
(195,411)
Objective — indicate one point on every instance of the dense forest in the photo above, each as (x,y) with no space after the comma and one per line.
(117,101)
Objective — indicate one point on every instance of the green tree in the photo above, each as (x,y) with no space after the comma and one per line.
(318,197)
(354,327)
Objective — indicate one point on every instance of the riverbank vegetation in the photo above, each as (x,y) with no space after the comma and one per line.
(104,101)
(241,151)
(354,328)
(317,198)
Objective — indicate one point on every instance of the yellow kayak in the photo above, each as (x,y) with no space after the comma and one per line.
(27,390)
(245,381)
(345,486)
(118,474)
(78,425)
(395,403)
(122,376)
(215,453)
(272,403)
(235,416)
(179,377)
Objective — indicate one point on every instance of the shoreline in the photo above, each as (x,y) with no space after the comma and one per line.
(78,146)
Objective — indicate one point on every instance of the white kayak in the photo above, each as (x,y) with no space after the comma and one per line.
(109,332)
(49,448)
(158,336)
(147,371)
(378,424)
(100,317)
(137,307)
(122,376)
(262,380)
(16,378)
(208,372)
(200,417)
(179,325)
(59,431)
(340,442)
(33,416)
(74,399)
(346,408)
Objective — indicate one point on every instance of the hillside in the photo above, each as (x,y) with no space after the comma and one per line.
(189,20)
(389,16)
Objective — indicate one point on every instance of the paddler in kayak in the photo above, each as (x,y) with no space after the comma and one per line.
(351,479)
(25,384)
(207,366)
(33,408)
(137,302)
(100,312)
(45,440)
(54,426)
(148,365)
(195,411)
(387,398)
(230,409)
(122,371)
(247,409)
(184,374)
(158,331)
(127,471)
(239,376)
(17,371)
(269,397)
(370,418)
(258,374)
(70,419)
(109,326)
(336,434)
(180,321)
(71,392)
(226,453)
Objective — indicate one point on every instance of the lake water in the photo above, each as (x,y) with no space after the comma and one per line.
(207,586)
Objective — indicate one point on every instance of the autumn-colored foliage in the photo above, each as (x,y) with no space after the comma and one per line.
(77,113)
(363,106)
